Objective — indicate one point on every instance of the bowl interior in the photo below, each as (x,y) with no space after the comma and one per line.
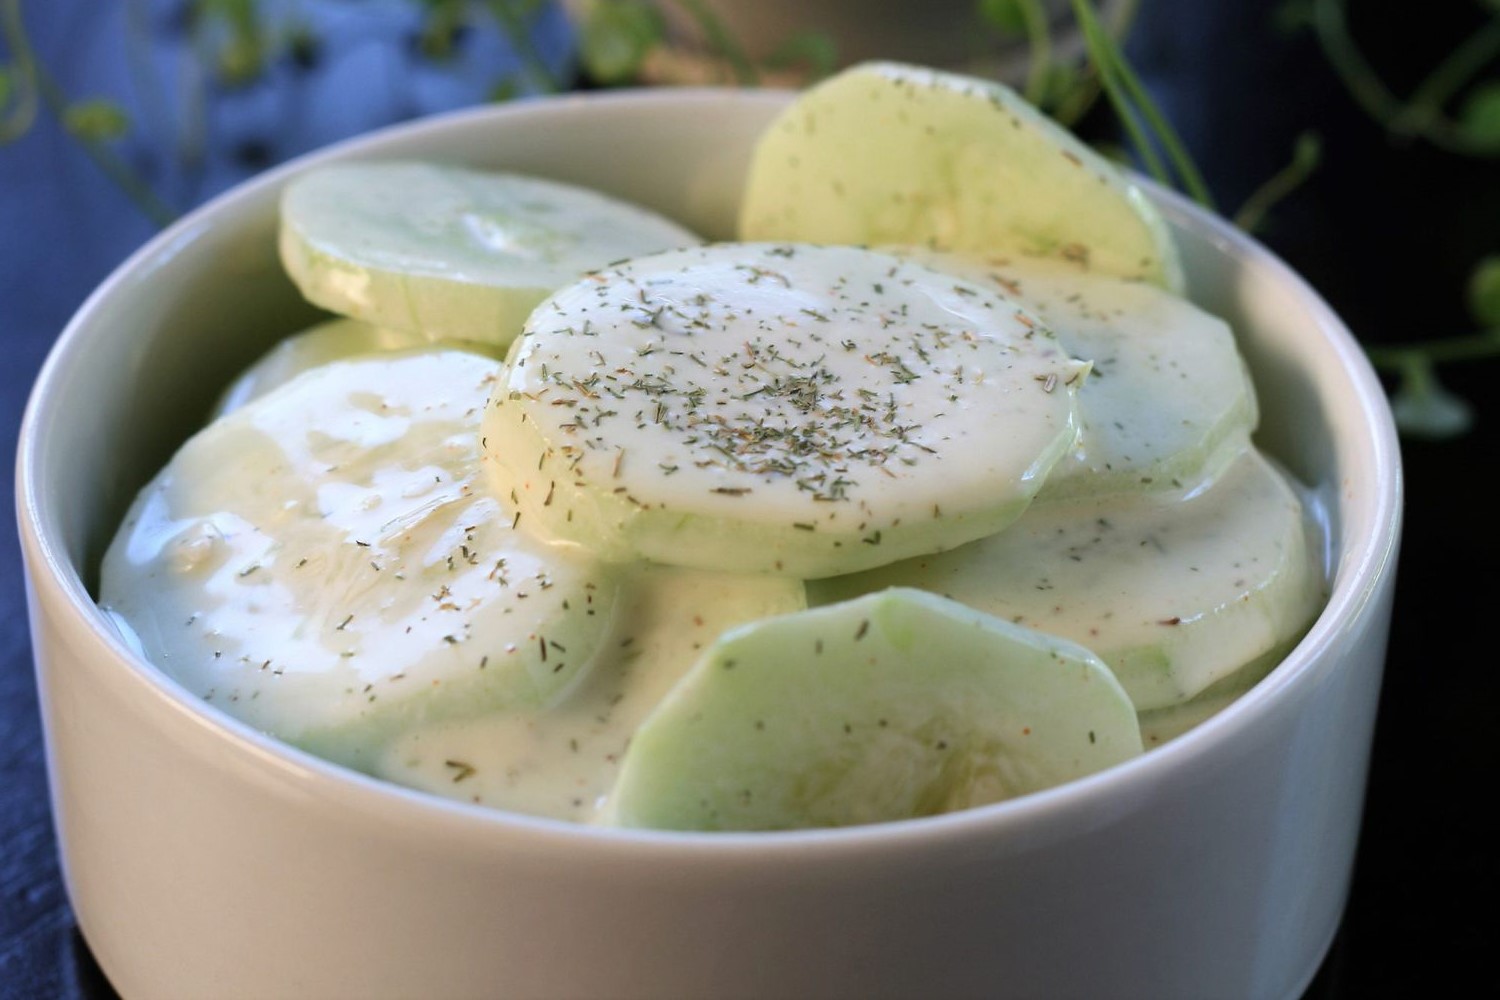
(139,367)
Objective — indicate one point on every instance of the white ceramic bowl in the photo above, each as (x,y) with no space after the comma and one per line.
(205,859)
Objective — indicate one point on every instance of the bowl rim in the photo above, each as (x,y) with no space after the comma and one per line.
(1357,573)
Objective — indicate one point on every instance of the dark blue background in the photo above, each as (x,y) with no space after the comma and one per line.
(1387,232)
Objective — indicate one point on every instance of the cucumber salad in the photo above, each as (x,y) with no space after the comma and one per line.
(931,492)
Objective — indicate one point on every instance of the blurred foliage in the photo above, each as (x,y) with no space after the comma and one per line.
(1423,407)
(1455,107)
(614,39)
(1484,291)
(95,120)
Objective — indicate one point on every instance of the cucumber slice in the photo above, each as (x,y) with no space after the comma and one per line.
(888,153)
(1173,591)
(450,253)
(1169,403)
(1162,725)
(330,341)
(328,564)
(893,706)
(562,762)
(785,409)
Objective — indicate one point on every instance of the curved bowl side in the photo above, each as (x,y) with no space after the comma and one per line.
(203,856)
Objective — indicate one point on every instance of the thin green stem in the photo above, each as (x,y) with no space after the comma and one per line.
(1082,95)
(56,102)
(106,159)
(516,25)
(1176,149)
(1474,347)
(1304,161)
(1422,117)
(1457,70)
(722,40)
(22,114)
(1136,94)
(1039,45)
(1079,99)
(1332,27)
(1099,54)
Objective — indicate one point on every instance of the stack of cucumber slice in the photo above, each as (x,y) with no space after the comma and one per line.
(765,535)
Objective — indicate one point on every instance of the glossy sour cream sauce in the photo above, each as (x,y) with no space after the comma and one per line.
(349,562)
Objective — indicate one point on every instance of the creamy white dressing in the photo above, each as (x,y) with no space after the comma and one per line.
(563,762)
(779,408)
(327,563)
(337,562)
(1175,591)
(1144,344)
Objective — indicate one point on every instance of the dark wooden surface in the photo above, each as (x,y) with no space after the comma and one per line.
(1385,231)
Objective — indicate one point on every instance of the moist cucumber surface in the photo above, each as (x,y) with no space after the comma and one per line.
(888,153)
(893,706)
(329,565)
(563,762)
(1173,591)
(778,408)
(452,253)
(1168,403)
(572,584)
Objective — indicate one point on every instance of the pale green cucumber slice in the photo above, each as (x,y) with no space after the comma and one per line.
(331,341)
(451,253)
(1169,402)
(1173,591)
(889,153)
(786,409)
(562,762)
(1162,725)
(897,705)
(328,563)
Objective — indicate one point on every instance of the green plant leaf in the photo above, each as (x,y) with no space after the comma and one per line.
(504,89)
(1006,16)
(7,86)
(241,55)
(616,36)
(1292,16)
(814,49)
(240,60)
(437,38)
(1061,80)
(1423,408)
(1484,291)
(241,15)
(96,119)
(1480,115)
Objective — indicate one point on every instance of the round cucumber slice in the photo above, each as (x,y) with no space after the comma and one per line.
(1169,402)
(1173,591)
(784,409)
(889,153)
(328,564)
(897,705)
(450,253)
(562,762)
